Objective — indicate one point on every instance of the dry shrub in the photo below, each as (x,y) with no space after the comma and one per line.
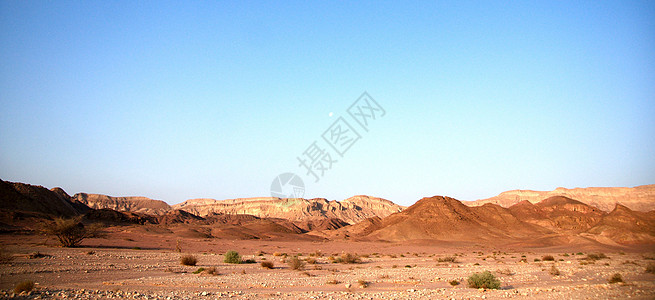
(451,259)
(24,286)
(454,282)
(348,258)
(296,264)
(615,278)
(594,257)
(188,260)
(333,281)
(650,268)
(211,271)
(5,257)
(505,271)
(363,283)
(71,232)
(267,264)
(311,261)
(554,271)
(548,258)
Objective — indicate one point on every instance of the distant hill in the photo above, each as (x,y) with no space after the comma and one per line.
(640,198)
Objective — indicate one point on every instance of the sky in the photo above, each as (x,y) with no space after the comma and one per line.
(215,99)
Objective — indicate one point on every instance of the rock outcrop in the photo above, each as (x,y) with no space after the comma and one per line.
(640,198)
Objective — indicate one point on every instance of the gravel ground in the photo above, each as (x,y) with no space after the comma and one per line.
(105,273)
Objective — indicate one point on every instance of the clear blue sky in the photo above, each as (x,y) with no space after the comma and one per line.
(179,100)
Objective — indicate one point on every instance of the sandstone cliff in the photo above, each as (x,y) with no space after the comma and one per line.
(351,210)
(132,204)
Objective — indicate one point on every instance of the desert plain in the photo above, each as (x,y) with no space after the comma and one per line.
(561,249)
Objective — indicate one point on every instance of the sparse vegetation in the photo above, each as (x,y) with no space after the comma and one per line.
(451,259)
(267,265)
(454,282)
(594,257)
(484,280)
(188,260)
(363,283)
(199,270)
(615,278)
(348,258)
(71,232)
(5,257)
(650,268)
(211,271)
(37,255)
(333,281)
(296,264)
(310,260)
(554,271)
(24,286)
(548,258)
(505,271)
(232,257)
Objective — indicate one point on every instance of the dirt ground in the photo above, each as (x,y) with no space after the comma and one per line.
(132,264)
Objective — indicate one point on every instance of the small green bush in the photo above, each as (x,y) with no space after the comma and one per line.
(199,270)
(615,278)
(232,257)
(188,260)
(24,286)
(484,280)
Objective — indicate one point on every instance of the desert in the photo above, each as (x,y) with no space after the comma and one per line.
(552,249)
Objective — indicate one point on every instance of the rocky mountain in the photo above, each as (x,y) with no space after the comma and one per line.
(351,210)
(640,198)
(447,219)
(21,197)
(558,214)
(550,222)
(131,204)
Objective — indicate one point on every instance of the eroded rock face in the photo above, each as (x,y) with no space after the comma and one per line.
(351,210)
(640,198)
(132,204)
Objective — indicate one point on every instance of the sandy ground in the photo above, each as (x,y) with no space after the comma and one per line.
(146,266)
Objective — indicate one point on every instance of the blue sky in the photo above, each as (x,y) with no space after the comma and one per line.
(180,100)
